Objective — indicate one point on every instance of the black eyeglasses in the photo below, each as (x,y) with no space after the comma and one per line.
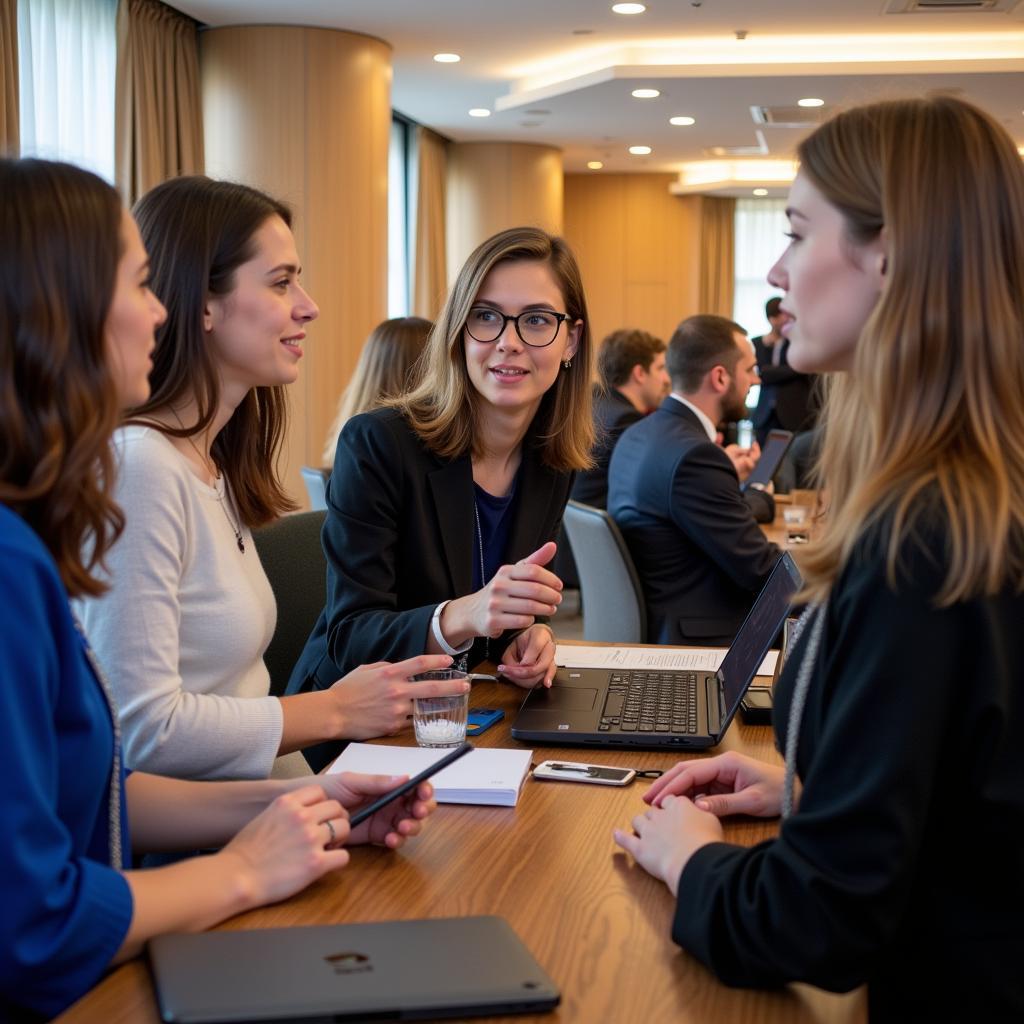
(535,327)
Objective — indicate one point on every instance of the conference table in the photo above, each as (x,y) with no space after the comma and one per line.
(597,923)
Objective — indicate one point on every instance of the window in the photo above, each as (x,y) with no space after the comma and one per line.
(67,61)
(760,229)
(399,218)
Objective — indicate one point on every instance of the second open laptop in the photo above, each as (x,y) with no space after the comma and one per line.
(659,709)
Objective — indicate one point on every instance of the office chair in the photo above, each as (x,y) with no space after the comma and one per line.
(294,562)
(613,601)
(316,486)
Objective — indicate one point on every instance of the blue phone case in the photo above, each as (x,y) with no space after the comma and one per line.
(481,719)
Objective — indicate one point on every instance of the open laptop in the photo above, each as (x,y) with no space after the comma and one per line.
(659,709)
(776,445)
(391,970)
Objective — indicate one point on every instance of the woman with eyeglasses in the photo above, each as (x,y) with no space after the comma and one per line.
(443,505)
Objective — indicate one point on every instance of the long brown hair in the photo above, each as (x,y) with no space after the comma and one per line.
(444,406)
(198,232)
(930,422)
(383,371)
(61,232)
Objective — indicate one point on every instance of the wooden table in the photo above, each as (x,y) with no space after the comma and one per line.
(597,923)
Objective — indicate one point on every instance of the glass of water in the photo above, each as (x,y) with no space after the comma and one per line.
(440,721)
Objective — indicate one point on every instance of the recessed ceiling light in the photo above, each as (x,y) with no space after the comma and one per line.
(810,101)
(682,120)
(594,165)
(629,8)
(479,112)
(639,150)
(645,94)
(760,191)
(447,58)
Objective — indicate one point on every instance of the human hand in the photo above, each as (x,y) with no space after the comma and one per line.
(393,823)
(729,783)
(513,598)
(743,459)
(376,700)
(288,845)
(530,658)
(665,838)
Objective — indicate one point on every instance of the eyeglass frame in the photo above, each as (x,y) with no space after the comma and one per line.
(560,317)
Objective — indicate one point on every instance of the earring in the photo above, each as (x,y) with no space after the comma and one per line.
(566,363)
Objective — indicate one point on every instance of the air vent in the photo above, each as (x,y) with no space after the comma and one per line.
(950,6)
(790,117)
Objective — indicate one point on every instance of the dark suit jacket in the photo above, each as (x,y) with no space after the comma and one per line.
(698,549)
(784,391)
(400,538)
(613,412)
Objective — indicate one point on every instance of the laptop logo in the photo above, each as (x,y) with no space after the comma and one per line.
(349,963)
(564,726)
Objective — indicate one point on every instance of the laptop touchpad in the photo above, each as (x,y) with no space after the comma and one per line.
(566,698)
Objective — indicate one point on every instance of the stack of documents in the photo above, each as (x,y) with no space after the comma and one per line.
(665,659)
(488,775)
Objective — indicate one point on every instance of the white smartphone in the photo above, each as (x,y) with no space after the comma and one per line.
(574,771)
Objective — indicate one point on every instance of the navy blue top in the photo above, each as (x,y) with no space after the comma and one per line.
(495,518)
(65,910)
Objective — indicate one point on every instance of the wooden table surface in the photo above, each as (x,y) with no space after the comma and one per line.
(597,923)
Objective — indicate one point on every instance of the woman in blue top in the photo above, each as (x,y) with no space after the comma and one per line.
(77,321)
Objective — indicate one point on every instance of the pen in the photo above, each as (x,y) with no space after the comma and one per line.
(481,675)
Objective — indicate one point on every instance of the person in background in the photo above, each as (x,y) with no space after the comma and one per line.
(442,506)
(188,611)
(901,708)
(675,494)
(77,321)
(384,371)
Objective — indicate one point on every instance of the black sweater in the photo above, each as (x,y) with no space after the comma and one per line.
(903,866)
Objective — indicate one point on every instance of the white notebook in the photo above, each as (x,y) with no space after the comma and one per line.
(488,775)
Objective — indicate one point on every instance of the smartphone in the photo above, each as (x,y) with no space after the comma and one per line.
(756,706)
(481,719)
(360,816)
(574,771)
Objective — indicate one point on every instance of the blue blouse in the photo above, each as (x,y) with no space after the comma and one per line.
(494,517)
(65,910)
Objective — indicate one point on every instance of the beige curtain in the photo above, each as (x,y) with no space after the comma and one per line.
(429,265)
(717,255)
(158,112)
(9,77)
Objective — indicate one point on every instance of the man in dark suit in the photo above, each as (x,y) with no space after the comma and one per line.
(675,493)
(631,364)
(786,398)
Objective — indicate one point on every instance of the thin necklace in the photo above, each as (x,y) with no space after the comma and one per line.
(483,581)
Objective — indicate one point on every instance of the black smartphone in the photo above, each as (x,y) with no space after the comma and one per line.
(756,706)
(361,815)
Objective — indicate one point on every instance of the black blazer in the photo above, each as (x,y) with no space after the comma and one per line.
(400,538)
(784,391)
(613,412)
(699,552)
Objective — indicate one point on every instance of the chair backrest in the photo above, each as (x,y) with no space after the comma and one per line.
(316,487)
(610,591)
(296,566)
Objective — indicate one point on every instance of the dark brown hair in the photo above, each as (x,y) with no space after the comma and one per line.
(61,231)
(699,344)
(624,349)
(198,232)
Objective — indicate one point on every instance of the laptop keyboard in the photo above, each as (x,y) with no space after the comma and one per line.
(663,702)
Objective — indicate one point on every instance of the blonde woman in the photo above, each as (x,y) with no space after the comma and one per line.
(901,710)
(383,371)
(442,506)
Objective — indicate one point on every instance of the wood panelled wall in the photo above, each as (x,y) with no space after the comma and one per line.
(305,114)
(638,248)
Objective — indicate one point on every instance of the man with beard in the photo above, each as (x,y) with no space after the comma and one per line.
(675,493)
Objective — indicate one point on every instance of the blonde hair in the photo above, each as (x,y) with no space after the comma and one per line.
(384,370)
(444,407)
(930,423)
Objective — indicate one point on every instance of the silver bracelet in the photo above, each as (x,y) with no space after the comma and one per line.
(435,628)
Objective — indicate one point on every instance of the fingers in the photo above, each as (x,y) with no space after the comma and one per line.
(628,841)
(721,805)
(414,666)
(542,555)
(436,688)
(687,776)
(371,785)
(536,662)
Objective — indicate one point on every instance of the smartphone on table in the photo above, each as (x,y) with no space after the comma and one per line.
(576,771)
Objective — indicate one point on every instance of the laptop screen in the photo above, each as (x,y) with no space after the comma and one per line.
(758,630)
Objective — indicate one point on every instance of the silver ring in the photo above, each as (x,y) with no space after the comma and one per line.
(334,835)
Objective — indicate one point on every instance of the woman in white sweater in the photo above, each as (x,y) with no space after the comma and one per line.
(189,613)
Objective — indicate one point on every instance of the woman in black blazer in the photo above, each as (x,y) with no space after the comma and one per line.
(442,507)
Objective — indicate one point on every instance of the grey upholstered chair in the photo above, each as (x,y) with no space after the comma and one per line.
(610,592)
(294,562)
(316,487)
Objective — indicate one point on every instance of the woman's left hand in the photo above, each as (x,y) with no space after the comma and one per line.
(530,659)
(393,823)
(665,838)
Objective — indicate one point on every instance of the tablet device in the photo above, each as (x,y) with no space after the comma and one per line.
(388,970)
(775,446)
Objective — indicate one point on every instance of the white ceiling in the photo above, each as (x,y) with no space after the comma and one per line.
(544,83)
